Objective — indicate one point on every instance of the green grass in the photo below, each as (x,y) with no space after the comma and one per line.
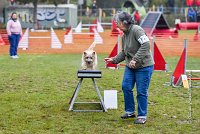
(35,91)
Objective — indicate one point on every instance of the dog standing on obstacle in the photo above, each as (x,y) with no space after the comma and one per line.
(89,58)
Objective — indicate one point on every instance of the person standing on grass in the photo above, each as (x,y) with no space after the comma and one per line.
(14,31)
(138,69)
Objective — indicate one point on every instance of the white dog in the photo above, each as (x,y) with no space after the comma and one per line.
(89,58)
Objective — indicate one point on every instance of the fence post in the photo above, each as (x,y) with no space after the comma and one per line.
(185,46)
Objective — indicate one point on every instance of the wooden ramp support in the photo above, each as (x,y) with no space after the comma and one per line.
(87,74)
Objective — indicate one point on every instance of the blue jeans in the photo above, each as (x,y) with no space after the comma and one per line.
(141,77)
(14,41)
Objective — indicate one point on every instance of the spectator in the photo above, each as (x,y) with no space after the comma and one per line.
(14,31)
(198,15)
(136,17)
(12,2)
(94,8)
(191,15)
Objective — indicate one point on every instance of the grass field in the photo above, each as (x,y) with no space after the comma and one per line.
(35,91)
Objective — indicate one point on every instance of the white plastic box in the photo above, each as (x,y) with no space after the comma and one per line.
(110,99)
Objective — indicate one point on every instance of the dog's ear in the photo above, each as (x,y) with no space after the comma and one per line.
(94,54)
(84,53)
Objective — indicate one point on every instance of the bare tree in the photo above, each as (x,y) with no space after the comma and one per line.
(35,3)
(35,22)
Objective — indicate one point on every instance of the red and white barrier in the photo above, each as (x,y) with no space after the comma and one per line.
(113,53)
(187,25)
(24,40)
(55,42)
(4,37)
(168,33)
(196,36)
(78,29)
(160,63)
(2,41)
(180,68)
(97,25)
(115,30)
(68,38)
(97,38)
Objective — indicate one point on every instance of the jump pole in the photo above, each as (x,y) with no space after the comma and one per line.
(190,91)
(118,47)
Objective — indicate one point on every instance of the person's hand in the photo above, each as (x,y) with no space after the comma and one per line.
(108,60)
(132,64)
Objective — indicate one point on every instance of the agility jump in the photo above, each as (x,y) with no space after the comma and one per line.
(68,37)
(82,74)
(160,63)
(55,42)
(176,79)
(96,24)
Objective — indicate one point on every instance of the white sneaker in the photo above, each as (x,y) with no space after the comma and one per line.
(12,57)
(16,57)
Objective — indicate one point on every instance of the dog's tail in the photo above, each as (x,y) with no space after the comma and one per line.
(92,46)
